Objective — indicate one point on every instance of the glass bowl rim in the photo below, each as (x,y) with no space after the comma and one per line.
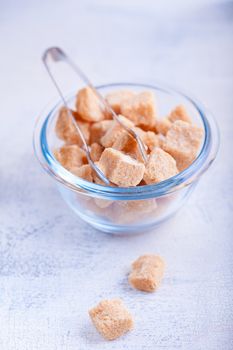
(183,178)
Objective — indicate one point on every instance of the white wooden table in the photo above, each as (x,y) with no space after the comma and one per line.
(53,267)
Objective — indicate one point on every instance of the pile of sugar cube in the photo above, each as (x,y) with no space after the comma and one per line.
(172,142)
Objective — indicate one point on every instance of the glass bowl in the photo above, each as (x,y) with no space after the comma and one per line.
(131,209)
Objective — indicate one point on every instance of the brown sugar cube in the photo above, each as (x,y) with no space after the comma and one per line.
(96,151)
(142,183)
(140,109)
(66,130)
(126,212)
(182,142)
(128,145)
(111,318)
(114,131)
(120,168)
(145,136)
(70,156)
(88,105)
(116,98)
(163,125)
(85,172)
(141,133)
(98,130)
(179,113)
(96,209)
(102,203)
(142,206)
(84,126)
(151,140)
(98,204)
(96,178)
(160,166)
(147,272)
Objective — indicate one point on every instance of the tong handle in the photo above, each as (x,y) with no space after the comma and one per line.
(56,54)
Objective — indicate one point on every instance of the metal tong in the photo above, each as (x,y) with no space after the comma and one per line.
(56,54)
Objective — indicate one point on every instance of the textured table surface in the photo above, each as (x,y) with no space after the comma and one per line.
(53,267)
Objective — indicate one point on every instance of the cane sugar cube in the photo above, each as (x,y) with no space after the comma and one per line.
(66,130)
(142,183)
(85,172)
(144,136)
(88,105)
(84,126)
(96,178)
(111,318)
(151,140)
(140,206)
(70,156)
(160,166)
(96,209)
(140,109)
(179,113)
(120,168)
(102,203)
(114,131)
(96,151)
(116,98)
(128,145)
(163,125)
(126,212)
(98,130)
(183,141)
(141,133)
(125,142)
(147,273)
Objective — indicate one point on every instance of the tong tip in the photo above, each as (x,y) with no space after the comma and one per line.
(55,53)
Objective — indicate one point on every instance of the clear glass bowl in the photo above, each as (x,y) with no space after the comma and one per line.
(131,209)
